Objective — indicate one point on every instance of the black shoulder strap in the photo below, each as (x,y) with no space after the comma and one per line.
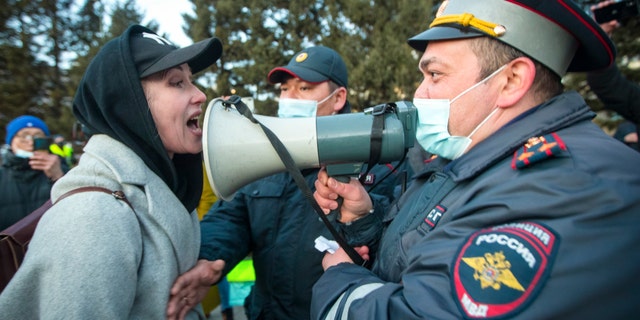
(377,129)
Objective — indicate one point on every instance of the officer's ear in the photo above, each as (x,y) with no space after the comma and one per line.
(340,99)
(519,74)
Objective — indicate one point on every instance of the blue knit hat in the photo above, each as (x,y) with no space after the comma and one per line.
(22,122)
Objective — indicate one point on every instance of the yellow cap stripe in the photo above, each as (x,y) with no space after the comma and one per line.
(465,20)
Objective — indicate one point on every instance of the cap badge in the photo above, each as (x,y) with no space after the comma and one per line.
(468,19)
(156,38)
(442,7)
(302,57)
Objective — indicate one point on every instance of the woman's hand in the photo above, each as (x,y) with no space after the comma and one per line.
(192,287)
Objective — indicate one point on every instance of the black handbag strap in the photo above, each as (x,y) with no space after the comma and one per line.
(286,158)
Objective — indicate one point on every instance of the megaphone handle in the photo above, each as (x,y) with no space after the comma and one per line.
(337,210)
(343,179)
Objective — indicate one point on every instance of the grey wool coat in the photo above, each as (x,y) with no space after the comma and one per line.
(92,257)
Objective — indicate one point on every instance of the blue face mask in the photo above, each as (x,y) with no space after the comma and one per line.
(433,119)
(298,108)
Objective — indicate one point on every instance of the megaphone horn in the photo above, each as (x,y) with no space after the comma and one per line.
(238,152)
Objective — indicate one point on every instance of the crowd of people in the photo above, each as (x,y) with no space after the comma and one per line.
(515,203)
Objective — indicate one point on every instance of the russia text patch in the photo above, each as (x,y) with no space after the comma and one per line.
(500,269)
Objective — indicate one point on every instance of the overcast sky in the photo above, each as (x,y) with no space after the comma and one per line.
(168,14)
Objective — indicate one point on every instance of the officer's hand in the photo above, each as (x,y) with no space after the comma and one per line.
(356,200)
(341,256)
(192,287)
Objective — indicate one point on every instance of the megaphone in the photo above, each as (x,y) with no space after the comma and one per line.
(237,151)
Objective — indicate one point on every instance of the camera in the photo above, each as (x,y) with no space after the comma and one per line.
(617,11)
(41,143)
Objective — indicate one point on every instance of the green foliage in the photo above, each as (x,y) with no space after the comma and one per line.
(371,36)
(47,44)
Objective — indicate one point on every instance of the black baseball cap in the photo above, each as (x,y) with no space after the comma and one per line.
(153,53)
(557,33)
(314,64)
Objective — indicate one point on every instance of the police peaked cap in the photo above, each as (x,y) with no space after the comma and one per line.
(557,33)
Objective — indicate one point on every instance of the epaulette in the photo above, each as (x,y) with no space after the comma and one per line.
(537,149)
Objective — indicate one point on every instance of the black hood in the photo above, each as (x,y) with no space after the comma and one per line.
(110,101)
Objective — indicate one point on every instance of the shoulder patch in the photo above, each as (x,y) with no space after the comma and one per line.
(432,218)
(499,270)
(369,179)
(537,149)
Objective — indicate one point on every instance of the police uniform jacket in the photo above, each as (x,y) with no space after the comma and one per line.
(272,220)
(539,221)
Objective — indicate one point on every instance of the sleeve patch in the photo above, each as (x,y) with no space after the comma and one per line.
(537,149)
(499,270)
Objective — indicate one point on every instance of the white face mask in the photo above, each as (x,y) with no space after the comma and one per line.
(22,153)
(298,108)
(433,119)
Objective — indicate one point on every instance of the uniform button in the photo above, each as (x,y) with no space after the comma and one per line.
(256,192)
(432,178)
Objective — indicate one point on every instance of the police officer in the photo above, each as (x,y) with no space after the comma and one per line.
(530,210)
